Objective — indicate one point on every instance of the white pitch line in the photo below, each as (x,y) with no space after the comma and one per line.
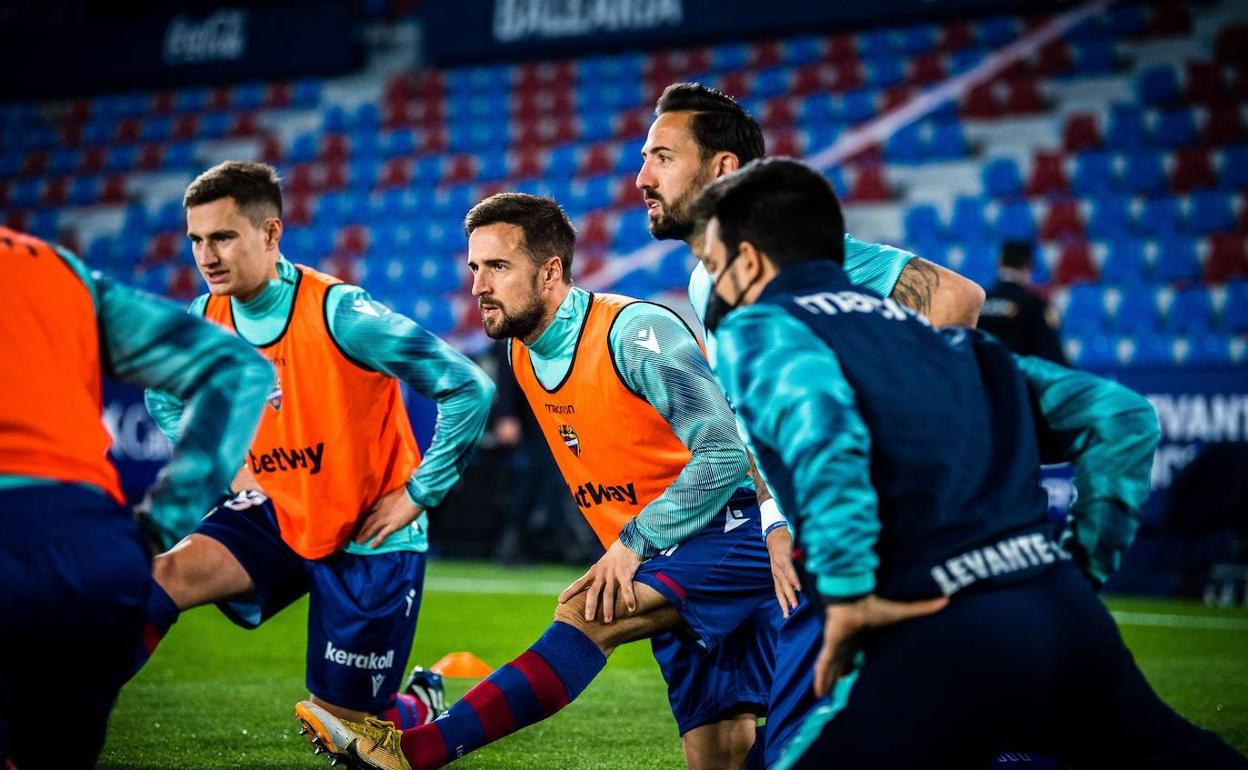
(464,585)
(1179,621)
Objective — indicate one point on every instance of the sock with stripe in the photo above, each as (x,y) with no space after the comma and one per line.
(406,712)
(162,613)
(547,677)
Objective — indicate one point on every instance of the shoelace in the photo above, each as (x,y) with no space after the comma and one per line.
(383,734)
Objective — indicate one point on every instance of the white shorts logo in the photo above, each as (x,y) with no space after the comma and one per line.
(377,680)
(371,661)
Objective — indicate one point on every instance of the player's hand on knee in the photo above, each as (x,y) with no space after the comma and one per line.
(843,624)
(608,580)
(394,511)
(783,574)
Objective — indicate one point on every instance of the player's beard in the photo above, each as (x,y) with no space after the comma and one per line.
(519,323)
(675,223)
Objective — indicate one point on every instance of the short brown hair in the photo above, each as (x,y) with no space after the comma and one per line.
(255,188)
(720,123)
(547,231)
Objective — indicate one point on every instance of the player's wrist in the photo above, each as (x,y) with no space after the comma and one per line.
(632,539)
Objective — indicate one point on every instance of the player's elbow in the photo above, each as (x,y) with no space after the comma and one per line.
(958,301)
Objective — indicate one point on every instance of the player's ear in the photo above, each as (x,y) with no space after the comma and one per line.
(751,260)
(726,163)
(552,271)
(272,232)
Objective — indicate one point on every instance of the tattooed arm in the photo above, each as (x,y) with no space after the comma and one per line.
(946,298)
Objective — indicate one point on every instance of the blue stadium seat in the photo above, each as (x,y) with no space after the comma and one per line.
(1158,85)
(906,145)
(1144,173)
(62,161)
(596,125)
(214,125)
(1235,313)
(84,191)
(1191,311)
(563,162)
(1153,350)
(931,250)
(1176,260)
(1160,217)
(772,82)
(965,59)
(335,120)
(1015,222)
(156,128)
(135,220)
(818,109)
(730,57)
(1211,212)
(362,176)
(1002,178)
(1209,350)
(1175,128)
(1094,173)
(479,135)
(630,235)
(365,145)
(837,178)
(367,117)
(1097,351)
(190,100)
(1234,169)
(304,148)
(884,71)
(1110,218)
(1126,20)
(427,171)
(180,155)
(97,134)
(803,49)
(1094,57)
(306,93)
(1125,263)
(967,224)
(122,157)
(25,193)
(1085,310)
(628,159)
(979,261)
(44,224)
(12,160)
(249,96)
(948,140)
(492,165)
(996,31)
(1126,128)
(922,224)
(859,105)
(169,216)
(434,315)
(397,143)
(916,38)
(1137,312)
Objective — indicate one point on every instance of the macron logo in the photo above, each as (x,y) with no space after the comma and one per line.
(734,519)
(647,340)
(371,661)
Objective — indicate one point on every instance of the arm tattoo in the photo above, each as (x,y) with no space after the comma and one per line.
(917,284)
(760,487)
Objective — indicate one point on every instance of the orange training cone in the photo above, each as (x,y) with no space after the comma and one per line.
(462,665)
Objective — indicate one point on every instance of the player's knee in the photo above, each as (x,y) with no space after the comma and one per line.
(572,612)
(197,571)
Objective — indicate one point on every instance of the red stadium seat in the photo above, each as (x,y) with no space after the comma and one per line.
(16,220)
(596,229)
(271,150)
(334,148)
(1193,170)
(1023,96)
(298,210)
(92,160)
(185,127)
(1228,257)
(1170,19)
(395,172)
(127,130)
(163,247)
(737,84)
(778,112)
(113,190)
(71,134)
(433,141)
(1074,264)
(631,124)
(461,169)
(151,156)
(183,282)
(527,164)
(1063,220)
(847,76)
(220,98)
(982,102)
(598,158)
(1081,133)
(896,96)
(786,143)
(765,54)
(1231,44)
(956,36)
(278,95)
(626,195)
(333,176)
(842,47)
(244,124)
(1223,125)
(353,240)
(162,102)
(35,163)
(55,192)
(1055,59)
(927,68)
(812,78)
(1204,83)
(299,179)
(1048,174)
(870,185)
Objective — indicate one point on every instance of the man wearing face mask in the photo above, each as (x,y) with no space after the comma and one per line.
(954,621)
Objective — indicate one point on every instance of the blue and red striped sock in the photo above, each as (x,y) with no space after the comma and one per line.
(162,613)
(547,677)
(406,712)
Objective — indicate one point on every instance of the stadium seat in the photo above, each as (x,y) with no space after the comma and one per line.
(1125,262)
(979,261)
(1211,213)
(1015,222)
(1063,220)
(1137,312)
(1074,265)
(1111,218)
(1048,174)
(1224,123)
(1095,57)
(922,224)
(1191,311)
(1094,173)
(1158,85)
(948,140)
(870,185)
(1175,128)
(1160,216)
(906,145)
(1235,312)
(1143,173)
(1193,170)
(1176,260)
(1233,173)
(1126,128)
(967,222)
(1228,258)
(1001,178)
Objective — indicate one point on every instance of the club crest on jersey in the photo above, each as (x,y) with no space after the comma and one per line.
(275,395)
(570,439)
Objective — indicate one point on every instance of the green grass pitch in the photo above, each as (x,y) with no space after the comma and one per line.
(215,696)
